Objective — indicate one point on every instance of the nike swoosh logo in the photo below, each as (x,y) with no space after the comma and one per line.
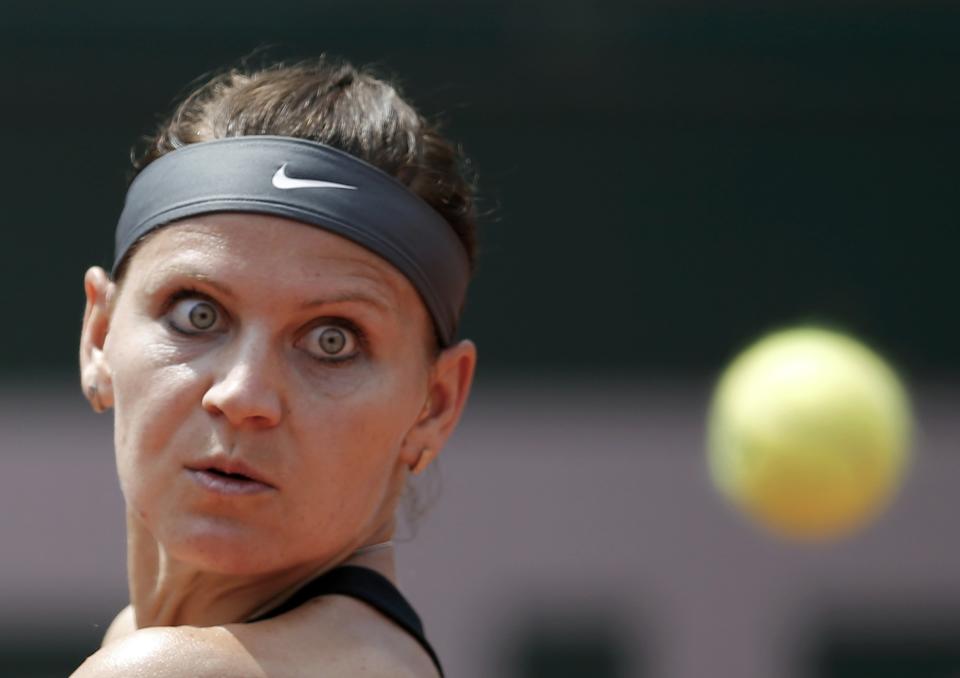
(285,183)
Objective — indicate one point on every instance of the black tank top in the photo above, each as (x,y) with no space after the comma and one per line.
(368,586)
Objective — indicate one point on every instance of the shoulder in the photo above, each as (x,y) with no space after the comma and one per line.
(344,636)
(172,652)
(123,624)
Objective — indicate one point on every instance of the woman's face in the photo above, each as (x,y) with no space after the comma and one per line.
(282,354)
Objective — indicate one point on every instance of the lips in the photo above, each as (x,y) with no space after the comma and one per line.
(228,476)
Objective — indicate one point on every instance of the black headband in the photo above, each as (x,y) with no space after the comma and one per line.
(313,183)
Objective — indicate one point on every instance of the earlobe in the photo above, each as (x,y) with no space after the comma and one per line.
(93,395)
(95,375)
(427,455)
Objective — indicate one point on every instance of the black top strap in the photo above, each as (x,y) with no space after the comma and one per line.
(368,586)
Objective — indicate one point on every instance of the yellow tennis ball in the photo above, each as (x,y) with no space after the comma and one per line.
(808,433)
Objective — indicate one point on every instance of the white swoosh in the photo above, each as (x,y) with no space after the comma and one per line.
(283,182)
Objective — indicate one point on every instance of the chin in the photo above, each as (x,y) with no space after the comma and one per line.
(225,547)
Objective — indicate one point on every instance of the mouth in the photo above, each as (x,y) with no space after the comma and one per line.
(228,479)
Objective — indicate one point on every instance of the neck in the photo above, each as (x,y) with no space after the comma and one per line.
(165,591)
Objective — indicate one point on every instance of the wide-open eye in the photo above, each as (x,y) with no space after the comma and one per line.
(192,315)
(330,341)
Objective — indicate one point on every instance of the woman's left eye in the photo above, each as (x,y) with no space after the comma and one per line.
(330,342)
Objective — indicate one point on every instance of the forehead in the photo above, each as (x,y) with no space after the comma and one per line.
(263,251)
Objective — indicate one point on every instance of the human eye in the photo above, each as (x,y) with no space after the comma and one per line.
(331,341)
(194,314)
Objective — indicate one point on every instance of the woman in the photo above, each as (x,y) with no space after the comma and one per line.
(277,342)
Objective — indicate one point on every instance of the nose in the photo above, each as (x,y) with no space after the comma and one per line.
(245,387)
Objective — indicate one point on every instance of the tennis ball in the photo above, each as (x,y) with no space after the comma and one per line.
(808,433)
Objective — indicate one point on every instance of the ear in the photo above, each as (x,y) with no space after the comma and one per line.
(95,375)
(447,391)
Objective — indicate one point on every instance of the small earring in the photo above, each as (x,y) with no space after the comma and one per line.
(422,462)
(93,394)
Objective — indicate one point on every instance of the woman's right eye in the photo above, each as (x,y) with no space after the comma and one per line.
(194,316)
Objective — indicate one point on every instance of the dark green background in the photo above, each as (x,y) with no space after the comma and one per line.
(661,181)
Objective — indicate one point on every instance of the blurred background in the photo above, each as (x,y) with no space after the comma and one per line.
(662,182)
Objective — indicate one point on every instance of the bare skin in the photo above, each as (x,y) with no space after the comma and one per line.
(297,363)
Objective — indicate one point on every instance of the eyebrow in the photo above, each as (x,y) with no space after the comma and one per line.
(207,280)
(162,278)
(350,297)
(375,300)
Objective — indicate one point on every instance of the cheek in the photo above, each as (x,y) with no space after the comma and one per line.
(352,444)
(346,438)
(379,408)
(370,405)
(152,401)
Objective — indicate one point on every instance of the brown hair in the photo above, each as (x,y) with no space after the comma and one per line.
(336,104)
